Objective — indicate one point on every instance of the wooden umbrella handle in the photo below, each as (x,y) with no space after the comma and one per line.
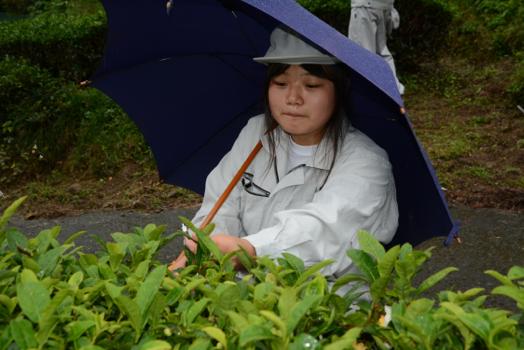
(231,185)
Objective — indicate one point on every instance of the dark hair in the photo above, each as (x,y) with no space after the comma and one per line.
(336,126)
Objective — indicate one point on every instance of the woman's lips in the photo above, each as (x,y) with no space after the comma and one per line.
(293,115)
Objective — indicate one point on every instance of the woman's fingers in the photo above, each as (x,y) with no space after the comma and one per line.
(178,263)
(190,244)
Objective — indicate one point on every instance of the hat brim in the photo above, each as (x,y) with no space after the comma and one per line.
(296,59)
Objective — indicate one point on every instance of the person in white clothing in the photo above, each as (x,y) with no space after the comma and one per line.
(370,24)
(315,182)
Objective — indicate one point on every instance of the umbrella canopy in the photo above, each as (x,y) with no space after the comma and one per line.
(187,79)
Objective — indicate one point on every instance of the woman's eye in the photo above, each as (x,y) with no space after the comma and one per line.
(312,86)
(279,83)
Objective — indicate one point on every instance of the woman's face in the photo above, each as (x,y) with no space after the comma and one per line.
(302,104)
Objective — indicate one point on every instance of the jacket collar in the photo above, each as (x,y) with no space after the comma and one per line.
(321,160)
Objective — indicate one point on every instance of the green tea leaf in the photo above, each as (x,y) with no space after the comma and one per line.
(91,347)
(385,267)
(370,244)
(33,298)
(512,292)
(217,334)
(75,280)
(516,272)
(347,278)
(75,329)
(312,270)
(500,277)
(208,243)
(238,321)
(23,333)
(365,263)
(305,341)
(277,321)
(228,295)
(294,262)
(114,291)
(132,311)
(8,213)
(155,345)
(153,232)
(200,344)
(434,279)
(147,291)
(299,311)
(116,252)
(49,259)
(73,237)
(174,295)
(254,333)
(346,341)
(17,241)
(195,310)
(9,303)
(286,302)
(317,286)
(49,316)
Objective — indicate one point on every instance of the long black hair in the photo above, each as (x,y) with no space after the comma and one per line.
(336,127)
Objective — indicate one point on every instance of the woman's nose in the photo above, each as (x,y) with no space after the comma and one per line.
(293,96)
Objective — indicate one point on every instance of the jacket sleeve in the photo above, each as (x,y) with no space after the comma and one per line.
(359,195)
(227,219)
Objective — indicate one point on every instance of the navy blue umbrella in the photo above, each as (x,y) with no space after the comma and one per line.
(187,79)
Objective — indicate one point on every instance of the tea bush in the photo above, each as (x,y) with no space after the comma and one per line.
(45,120)
(67,45)
(16,6)
(53,295)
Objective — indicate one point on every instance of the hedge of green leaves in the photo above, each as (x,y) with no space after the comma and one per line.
(65,44)
(45,120)
(53,295)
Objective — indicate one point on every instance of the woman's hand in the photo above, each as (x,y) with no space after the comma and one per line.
(228,244)
(178,263)
(225,243)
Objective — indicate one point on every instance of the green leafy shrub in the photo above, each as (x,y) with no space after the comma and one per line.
(422,31)
(53,295)
(516,88)
(45,120)
(504,19)
(66,45)
(334,12)
(16,6)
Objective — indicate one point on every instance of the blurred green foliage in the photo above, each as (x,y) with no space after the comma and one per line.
(47,121)
(67,45)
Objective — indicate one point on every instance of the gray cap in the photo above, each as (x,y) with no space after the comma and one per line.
(289,49)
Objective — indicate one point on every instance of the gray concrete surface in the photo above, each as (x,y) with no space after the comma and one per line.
(491,239)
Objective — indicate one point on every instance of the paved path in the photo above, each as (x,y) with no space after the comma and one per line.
(492,239)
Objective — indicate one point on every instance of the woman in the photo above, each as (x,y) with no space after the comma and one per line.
(315,182)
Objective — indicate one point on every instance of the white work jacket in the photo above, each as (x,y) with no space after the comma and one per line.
(279,211)
(377,4)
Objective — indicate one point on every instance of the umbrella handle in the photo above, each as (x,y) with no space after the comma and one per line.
(231,185)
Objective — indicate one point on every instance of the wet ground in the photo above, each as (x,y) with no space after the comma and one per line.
(491,239)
